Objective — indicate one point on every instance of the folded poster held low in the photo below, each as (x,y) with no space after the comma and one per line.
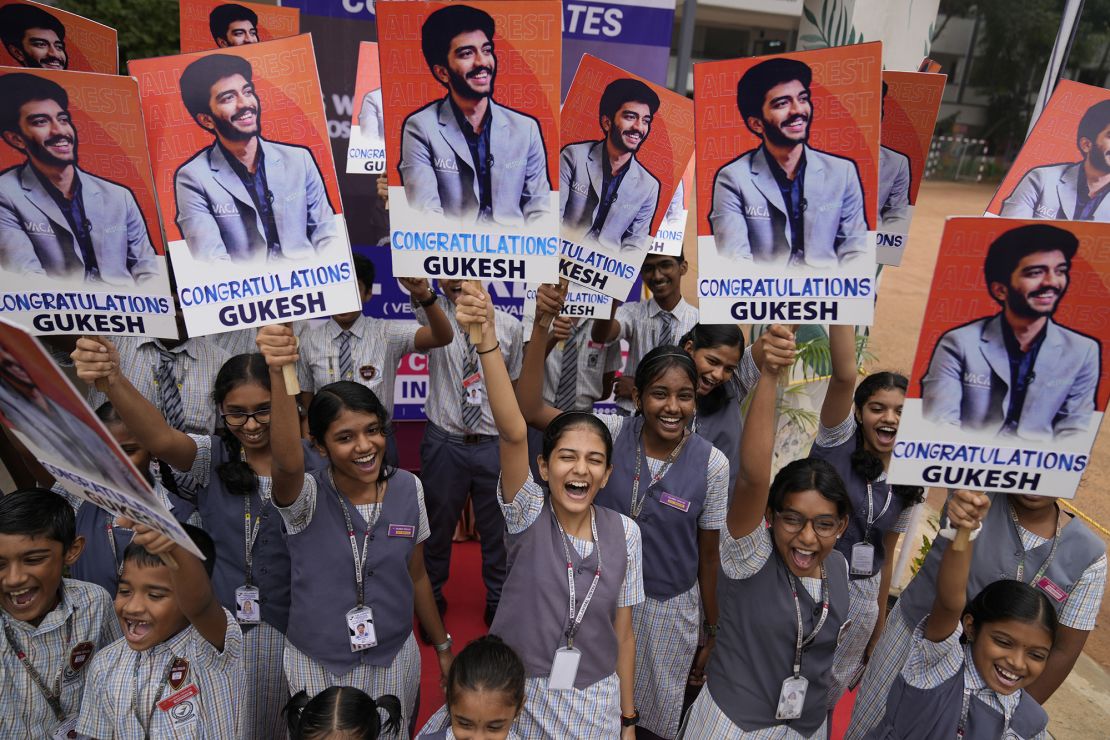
(50,417)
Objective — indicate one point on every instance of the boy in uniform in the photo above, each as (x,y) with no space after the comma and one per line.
(52,625)
(178,670)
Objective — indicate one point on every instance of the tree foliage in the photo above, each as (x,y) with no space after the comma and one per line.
(147,28)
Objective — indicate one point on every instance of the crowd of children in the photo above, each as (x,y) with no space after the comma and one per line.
(646,575)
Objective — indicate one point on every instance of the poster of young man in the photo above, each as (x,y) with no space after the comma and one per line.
(38,36)
(43,409)
(471,98)
(1008,385)
(366,147)
(911,101)
(1063,169)
(247,185)
(787,178)
(214,24)
(672,229)
(81,248)
(626,143)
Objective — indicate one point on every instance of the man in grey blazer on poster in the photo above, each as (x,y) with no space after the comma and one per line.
(605,194)
(55,218)
(465,156)
(894,186)
(245,198)
(1018,373)
(785,203)
(1053,190)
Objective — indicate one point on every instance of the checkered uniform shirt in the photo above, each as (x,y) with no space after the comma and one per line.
(84,614)
(112,707)
(197,360)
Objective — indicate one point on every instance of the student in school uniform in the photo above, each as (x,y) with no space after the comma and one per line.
(856,434)
(342,712)
(970,663)
(105,541)
(674,484)
(57,623)
(355,532)
(578,372)
(662,319)
(576,567)
(177,672)
(485,694)
(353,346)
(784,588)
(1026,538)
(717,350)
(458,455)
(233,498)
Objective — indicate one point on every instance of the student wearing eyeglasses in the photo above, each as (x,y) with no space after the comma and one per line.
(232,472)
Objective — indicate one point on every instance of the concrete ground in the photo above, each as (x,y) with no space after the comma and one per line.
(1080,709)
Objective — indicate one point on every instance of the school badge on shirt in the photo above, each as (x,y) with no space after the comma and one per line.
(78,657)
(367,372)
(179,671)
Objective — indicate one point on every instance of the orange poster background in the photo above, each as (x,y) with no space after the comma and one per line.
(368,77)
(669,144)
(846,92)
(528,42)
(292,112)
(273,23)
(91,46)
(110,136)
(959,291)
(911,107)
(1052,140)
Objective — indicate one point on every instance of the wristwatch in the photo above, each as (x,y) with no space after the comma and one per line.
(710,629)
(444,646)
(631,721)
(428,301)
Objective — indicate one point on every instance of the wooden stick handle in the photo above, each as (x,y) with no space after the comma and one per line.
(475,330)
(289,373)
(546,321)
(963,538)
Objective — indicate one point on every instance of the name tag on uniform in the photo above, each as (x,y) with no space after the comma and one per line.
(79,657)
(863,559)
(564,669)
(473,387)
(674,502)
(402,530)
(246,605)
(792,698)
(1055,592)
(182,707)
(360,626)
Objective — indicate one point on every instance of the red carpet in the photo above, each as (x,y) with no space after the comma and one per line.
(466,599)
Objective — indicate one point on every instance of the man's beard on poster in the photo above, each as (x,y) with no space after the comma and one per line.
(616,137)
(461,86)
(1019,303)
(41,153)
(775,135)
(32,63)
(227,129)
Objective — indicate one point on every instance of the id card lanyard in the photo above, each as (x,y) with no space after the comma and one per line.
(637,504)
(871,517)
(157,694)
(111,531)
(961,727)
(1051,553)
(803,642)
(250,534)
(360,558)
(574,621)
(53,697)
